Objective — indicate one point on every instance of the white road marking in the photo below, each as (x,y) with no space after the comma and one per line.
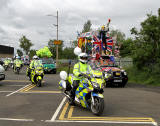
(32,92)
(14,85)
(58,110)
(5,91)
(11,119)
(113,122)
(17,90)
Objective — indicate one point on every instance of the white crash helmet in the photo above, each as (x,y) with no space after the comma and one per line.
(83,57)
(35,57)
(77,51)
(63,75)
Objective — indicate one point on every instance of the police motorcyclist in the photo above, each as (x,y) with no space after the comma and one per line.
(17,60)
(32,64)
(7,61)
(80,69)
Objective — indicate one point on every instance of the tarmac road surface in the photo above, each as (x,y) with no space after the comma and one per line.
(24,104)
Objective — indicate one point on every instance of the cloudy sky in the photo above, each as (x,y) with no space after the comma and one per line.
(29,18)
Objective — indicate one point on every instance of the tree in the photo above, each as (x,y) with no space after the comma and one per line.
(127,48)
(87,26)
(32,52)
(19,52)
(120,36)
(67,53)
(147,42)
(25,44)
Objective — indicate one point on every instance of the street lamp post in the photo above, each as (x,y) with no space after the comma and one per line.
(57,38)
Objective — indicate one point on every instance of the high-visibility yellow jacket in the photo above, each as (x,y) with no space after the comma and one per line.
(80,68)
(35,63)
(17,61)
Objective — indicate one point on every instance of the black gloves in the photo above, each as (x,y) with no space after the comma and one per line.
(80,75)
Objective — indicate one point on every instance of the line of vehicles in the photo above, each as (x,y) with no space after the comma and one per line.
(89,93)
(36,75)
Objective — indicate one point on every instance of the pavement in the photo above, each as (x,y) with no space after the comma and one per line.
(24,104)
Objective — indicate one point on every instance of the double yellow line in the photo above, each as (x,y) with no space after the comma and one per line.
(27,88)
(85,118)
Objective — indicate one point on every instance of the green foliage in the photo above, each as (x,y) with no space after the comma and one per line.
(120,36)
(66,53)
(145,51)
(19,52)
(147,43)
(126,47)
(32,52)
(64,68)
(25,44)
(142,77)
(87,26)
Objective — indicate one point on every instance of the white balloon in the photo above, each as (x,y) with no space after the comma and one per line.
(63,75)
(77,51)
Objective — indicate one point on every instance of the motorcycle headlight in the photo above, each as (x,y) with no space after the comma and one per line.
(37,71)
(95,85)
(107,75)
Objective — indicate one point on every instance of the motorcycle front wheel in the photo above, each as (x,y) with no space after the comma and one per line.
(17,71)
(98,106)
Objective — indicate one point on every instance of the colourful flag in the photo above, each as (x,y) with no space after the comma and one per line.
(109,44)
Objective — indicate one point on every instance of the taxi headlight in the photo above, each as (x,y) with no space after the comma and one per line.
(125,73)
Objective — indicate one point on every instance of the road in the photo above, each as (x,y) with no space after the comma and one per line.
(23,104)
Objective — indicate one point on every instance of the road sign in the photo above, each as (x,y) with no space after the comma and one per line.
(57,42)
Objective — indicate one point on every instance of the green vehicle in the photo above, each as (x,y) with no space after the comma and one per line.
(49,65)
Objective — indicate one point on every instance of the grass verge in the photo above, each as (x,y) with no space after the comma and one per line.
(142,77)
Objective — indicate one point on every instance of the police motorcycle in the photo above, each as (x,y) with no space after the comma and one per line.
(36,75)
(2,75)
(17,66)
(6,65)
(89,94)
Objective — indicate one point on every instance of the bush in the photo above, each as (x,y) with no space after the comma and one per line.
(143,76)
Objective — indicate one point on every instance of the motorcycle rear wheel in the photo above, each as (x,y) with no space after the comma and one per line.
(98,106)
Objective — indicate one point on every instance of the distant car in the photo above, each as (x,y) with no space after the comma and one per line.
(2,75)
(49,65)
(114,76)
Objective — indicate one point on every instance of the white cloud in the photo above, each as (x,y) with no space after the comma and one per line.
(28,17)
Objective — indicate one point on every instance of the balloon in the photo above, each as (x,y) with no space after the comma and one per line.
(44,52)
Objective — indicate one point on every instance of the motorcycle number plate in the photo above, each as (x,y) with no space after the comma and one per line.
(117,80)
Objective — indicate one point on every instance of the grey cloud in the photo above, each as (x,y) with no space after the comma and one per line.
(28,17)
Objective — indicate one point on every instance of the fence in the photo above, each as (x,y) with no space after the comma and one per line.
(121,62)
